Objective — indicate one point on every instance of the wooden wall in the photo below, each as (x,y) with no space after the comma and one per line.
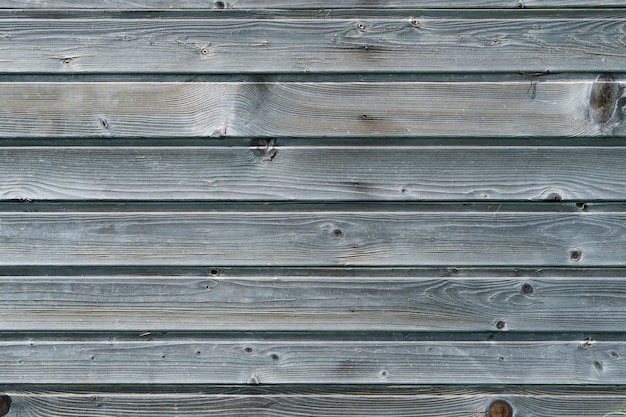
(313,208)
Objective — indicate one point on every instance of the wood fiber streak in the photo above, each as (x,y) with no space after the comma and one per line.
(132,303)
(254,362)
(415,43)
(273,172)
(302,4)
(550,108)
(315,238)
(465,402)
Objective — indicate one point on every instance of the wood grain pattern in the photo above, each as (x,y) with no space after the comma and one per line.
(301,4)
(314,237)
(414,42)
(256,361)
(267,170)
(212,303)
(338,401)
(524,108)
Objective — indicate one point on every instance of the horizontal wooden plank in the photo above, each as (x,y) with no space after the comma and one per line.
(524,108)
(267,170)
(316,361)
(336,402)
(301,4)
(314,236)
(156,303)
(416,42)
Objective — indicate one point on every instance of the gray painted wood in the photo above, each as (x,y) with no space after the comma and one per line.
(296,303)
(302,4)
(541,108)
(314,236)
(268,170)
(335,401)
(197,360)
(413,42)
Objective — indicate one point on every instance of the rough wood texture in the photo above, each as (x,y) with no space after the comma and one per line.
(314,237)
(213,360)
(293,208)
(333,401)
(212,303)
(302,4)
(528,107)
(416,42)
(268,170)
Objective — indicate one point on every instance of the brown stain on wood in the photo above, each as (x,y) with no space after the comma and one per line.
(500,409)
(603,98)
(5,405)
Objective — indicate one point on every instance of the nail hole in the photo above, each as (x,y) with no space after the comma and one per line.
(67,61)
(364,117)
(274,356)
(5,405)
(500,324)
(499,408)
(383,373)
(219,5)
(338,233)
(247,349)
(351,309)
(204,51)
(360,26)
(527,289)
(575,255)
(415,22)
(214,272)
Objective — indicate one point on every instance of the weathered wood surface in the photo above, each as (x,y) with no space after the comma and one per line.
(376,303)
(314,236)
(279,208)
(553,107)
(416,41)
(311,360)
(302,4)
(268,170)
(333,401)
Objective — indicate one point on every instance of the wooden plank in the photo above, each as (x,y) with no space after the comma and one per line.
(268,170)
(145,304)
(339,401)
(300,4)
(312,361)
(414,42)
(522,108)
(314,236)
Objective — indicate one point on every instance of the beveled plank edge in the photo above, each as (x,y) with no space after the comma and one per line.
(253,361)
(332,401)
(221,172)
(205,304)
